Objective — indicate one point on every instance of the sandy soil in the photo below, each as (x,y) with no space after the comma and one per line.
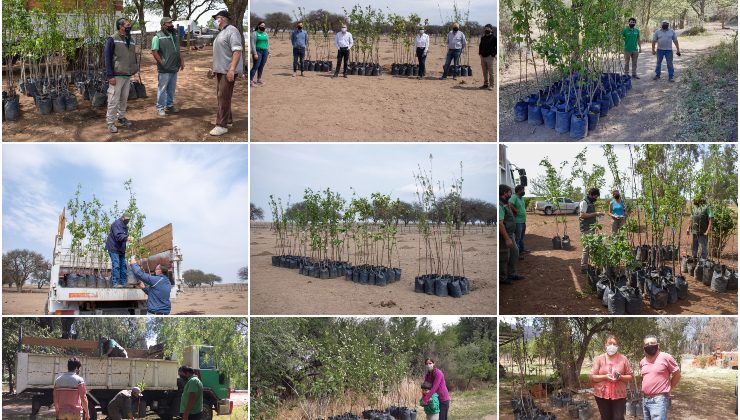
(560,270)
(644,115)
(226,299)
(283,291)
(384,108)
(195,96)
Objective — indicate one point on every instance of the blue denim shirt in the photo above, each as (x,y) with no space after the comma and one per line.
(158,290)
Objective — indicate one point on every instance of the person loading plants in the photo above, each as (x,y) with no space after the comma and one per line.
(260,44)
(227,64)
(191,402)
(422,48)
(431,409)
(632,46)
(121,405)
(660,374)
(702,218)
(487,52)
(299,40)
(70,393)
(587,218)
(344,43)
(436,377)
(520,216)
(120,64)
(166,52)
(116,246)
(456,42)
(508,256)
(158,290)
(616,211)
(664,38)
(110,348)
(610,374)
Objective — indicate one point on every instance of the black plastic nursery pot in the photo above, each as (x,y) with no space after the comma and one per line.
(70,101)
(44,104)
(719,280)
(99,99)
(706,276)
(132,94)
(11,107)
(58,103)
(140,89)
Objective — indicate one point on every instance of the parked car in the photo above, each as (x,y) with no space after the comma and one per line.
(562,206)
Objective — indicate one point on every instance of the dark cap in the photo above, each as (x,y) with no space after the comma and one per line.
(186,368)
(224,13)
(488,25)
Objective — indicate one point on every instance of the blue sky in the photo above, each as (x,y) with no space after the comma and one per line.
(386,168)
(201,190)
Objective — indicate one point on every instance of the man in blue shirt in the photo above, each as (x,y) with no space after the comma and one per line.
(299,39)
(157,288)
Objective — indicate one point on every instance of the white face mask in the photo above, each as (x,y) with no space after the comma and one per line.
(421,31)
(430,367)
(344,30)
(611,349)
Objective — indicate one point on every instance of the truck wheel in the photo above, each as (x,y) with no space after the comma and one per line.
(93,410)
(548,211)
(207,412)
(35,405)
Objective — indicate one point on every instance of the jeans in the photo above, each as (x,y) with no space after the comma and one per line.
(118,264)
(697,241)
(627,56)
(656,408)
(258,64)
(521,228)
(668,54)
(444,407)
(451,54)
(422,61)
(299,53)
(611,409)
(166,90)
(342,55)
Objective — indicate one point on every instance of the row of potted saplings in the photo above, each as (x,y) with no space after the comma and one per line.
(719,277)
(391,413)
(374,275)
(406,69)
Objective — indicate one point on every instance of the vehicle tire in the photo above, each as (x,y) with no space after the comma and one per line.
(548,211)
(35,405)
(207,412)
(92,408)
(575,210)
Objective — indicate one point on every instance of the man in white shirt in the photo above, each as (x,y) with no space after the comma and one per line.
(343,43)
(456,43)
(422,48)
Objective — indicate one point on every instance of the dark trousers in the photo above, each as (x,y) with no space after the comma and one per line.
(611,409)
(444,407)
(342,54)
(422,61)
(298,55)
(224,90)
(196,416)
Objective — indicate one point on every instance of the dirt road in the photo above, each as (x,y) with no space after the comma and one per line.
(646,112)
(363,108)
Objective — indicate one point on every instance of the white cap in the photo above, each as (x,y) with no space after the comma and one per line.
(665,21)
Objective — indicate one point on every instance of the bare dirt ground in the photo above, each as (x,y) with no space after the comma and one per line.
(195,96)
(224,299)
(283,291)
(645,113)
(362,108)
(554,284)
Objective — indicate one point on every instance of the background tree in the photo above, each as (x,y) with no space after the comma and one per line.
(278,21)
(243,274)
(22,265)
(256,213)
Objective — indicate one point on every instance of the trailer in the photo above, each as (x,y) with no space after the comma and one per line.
(93,294)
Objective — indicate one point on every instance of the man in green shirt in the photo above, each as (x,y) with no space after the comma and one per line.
(508,252)
(520,217)
(191,402)
(701,225)
(166,52)
(632,46)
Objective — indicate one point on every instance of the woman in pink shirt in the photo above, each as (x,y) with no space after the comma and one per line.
(435,377)
(609,375)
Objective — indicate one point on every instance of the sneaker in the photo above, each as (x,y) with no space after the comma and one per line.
(125,122)
(656,77)
(483,87)
(490,87)
(454,78)
(112,128)
(671,80)
(117,286)
(219,131)
(173,109)
(334,76)
(161,113)
(302,74)
(344,75)
(443,78)
(260,82)
(636,77)
(252,83)
(293,74)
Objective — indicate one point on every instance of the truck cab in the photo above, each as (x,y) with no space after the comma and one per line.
(216,391)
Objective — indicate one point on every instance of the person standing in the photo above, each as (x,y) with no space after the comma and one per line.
(299,39)
(487,52)
(520,217)
(617,211)
(436,377)
(610,374)
(121,405)
(156,287)
(259,42)
(660,374)
(456,42)
(587,218)
(120,64)
(632,46)
(344,42)
(227,64)
(509,253)
(166,52)
(70,393)
(422,48)
(664,38)
(191,402)
(116,247)
(702,218)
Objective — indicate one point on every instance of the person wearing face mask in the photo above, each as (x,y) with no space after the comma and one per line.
(616,211)
(191,401)
(166,52)
(664,38)
(487,52)
(299,39)
(520,217)
(660,374)
(702,218)
(422,48)
(437,378)
(456,42)
(120,64)
(587,218)
(116,246)
(70,393)
(508,256)
(632,46)
(610,374)
(260,45)
(227,64)
(344,42)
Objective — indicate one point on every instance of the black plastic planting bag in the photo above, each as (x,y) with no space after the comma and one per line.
(348,273)
(607,295)
(699,270)
(616,303)
(465,285)
(419,284)
(632,300)
(682,287)
(381,278)
(601,286)
(440,286)
(708,271)
(658,296)
(429,284)
(719,281)
(731,279)
(454,288)
(396,274)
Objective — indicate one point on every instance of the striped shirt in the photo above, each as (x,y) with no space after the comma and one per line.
(69,388)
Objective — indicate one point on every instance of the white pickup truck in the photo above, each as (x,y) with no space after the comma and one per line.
(561,206)
(92,294)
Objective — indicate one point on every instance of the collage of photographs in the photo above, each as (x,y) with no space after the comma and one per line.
(376,276)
